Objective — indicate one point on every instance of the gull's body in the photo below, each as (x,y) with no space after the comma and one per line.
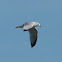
(30,26)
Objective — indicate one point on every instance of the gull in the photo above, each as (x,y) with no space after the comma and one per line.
(30,27)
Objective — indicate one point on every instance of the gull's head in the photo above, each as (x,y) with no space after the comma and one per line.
(37,24)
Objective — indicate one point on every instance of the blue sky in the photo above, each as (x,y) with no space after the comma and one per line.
(15,44)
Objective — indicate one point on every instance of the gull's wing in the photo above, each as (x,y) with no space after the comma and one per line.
(33,36)
(20,26)
(28,25)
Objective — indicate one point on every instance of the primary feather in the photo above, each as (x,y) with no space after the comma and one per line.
(33,36)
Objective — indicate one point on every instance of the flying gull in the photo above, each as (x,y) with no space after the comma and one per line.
(30,27)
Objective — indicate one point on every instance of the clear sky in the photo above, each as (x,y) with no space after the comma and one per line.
(15,43)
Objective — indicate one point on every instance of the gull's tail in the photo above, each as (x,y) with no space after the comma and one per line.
(20,26)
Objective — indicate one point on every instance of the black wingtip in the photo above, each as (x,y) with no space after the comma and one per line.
(33,44)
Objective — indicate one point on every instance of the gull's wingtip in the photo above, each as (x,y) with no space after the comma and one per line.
(33,44)
(16,27)
(19,26)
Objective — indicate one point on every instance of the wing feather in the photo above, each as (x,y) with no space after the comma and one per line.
(33,36)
